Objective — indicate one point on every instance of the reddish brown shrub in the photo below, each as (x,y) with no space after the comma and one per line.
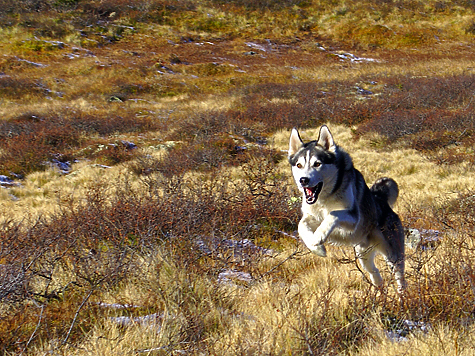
(425,130)
(30,140)
(15,88)
(203,126)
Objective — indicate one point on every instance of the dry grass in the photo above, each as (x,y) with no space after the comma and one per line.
(208,92)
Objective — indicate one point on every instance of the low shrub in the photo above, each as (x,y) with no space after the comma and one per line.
(14,88)
(30,140)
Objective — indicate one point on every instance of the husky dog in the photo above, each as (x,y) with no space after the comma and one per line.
(339,208)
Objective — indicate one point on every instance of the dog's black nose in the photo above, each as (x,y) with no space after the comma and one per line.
(304,181)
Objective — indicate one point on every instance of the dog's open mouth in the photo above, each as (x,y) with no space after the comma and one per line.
(311,193)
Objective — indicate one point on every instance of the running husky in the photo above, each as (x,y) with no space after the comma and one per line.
(339,208)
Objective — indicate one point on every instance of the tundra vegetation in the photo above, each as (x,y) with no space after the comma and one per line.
(146,202)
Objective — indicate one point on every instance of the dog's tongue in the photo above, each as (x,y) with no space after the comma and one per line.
(311,193)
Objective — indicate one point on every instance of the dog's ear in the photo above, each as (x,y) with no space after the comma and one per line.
(325,139)
(295,142)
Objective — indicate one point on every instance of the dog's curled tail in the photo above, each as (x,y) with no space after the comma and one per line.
(386,189)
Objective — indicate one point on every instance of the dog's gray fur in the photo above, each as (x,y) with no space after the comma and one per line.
(339,208)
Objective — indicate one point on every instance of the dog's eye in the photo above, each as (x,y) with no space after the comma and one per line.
(317,164)
(299,165)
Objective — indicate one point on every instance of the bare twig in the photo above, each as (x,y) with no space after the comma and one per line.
(76,315)
(34,331)
(366,279)
(292,255)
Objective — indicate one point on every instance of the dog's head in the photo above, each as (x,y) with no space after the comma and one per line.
(313,163)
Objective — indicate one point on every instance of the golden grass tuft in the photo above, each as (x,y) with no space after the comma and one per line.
(441,340)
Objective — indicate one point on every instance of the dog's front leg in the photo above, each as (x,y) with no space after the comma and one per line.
(307,226)
(336,219)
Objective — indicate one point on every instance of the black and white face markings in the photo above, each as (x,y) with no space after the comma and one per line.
(308,167)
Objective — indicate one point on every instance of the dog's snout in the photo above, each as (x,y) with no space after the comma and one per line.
(304,181)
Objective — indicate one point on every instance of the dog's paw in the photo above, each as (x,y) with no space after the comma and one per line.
(319,250)
(376,279)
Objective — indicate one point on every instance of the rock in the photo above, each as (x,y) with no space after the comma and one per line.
(363,91)
(352,58)
(61,162)
(232,250)
(151,320)
(256,46)
(33,64)
(230,276)
(116,99)
(64,167)
(100,166)
(163,69)
(413,238)
(116,305)
(128,145)
(7,182)
(423,239)
(400,330)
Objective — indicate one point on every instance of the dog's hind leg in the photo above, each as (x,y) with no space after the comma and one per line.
(390,243)
(366,258)
(397,268)
(395,255)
